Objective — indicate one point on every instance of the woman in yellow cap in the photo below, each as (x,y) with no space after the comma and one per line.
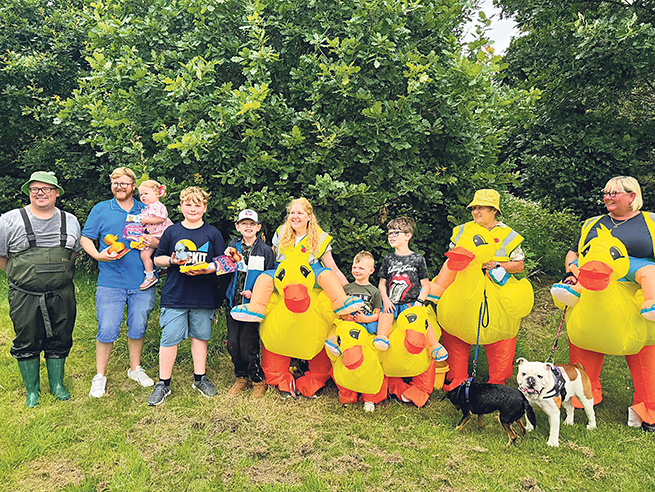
(508,259)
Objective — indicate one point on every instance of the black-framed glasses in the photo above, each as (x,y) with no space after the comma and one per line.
(45,190)
(611,194)
(395,233)
(122,186)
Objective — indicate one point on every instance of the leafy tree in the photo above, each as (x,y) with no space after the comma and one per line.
(594,63)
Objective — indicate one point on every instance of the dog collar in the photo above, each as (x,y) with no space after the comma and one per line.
(559,388)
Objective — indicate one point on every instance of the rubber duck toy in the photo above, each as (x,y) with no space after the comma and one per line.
(495,301)
(115,246)
(296,323)
(413,351)
(605,319)
(356,367)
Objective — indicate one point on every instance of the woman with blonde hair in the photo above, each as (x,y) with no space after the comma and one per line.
(301,234)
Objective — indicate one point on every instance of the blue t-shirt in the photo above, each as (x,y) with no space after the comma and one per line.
(200,245)
(109,218)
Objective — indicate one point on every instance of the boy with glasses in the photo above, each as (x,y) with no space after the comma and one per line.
(118,281)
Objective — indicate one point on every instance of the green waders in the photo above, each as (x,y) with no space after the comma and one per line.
(42,309)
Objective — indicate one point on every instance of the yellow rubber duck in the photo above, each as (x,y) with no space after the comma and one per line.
(355,363)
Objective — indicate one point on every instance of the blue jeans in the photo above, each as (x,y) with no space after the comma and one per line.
(110,304)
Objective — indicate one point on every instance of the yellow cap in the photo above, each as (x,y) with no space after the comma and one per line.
(486,198)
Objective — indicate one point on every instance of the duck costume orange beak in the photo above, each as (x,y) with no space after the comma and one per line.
(353,357)
(459,258)
(595,275)
(296,298)
(414,342)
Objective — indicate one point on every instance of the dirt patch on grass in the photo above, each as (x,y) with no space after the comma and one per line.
(48,474)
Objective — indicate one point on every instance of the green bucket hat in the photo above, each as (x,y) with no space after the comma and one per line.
(44,177)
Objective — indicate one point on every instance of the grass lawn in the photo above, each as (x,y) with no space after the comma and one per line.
(118,443)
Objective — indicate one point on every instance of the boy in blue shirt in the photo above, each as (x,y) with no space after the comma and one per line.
(189,297)
(243,336)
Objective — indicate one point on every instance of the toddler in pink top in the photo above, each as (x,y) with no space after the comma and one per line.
(154,219)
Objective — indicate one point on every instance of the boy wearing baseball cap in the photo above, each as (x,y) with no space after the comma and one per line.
(243,336)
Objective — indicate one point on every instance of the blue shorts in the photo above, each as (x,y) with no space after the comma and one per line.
(371,327)
(399,308)
(110,304)
(178,324)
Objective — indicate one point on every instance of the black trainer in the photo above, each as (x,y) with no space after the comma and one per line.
(158,394)
(206,387)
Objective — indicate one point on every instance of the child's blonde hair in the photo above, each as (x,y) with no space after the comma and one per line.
(159,189)
(405,224)
(194,194)
(363,254)
(288,238)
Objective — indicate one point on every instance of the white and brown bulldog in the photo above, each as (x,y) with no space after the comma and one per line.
(550,386)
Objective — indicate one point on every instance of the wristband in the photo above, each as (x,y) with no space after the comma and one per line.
(419,300)
(170,261)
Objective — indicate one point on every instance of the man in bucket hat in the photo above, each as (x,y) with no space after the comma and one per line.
(38,246)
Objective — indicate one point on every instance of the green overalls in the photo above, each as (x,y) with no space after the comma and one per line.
(42,297)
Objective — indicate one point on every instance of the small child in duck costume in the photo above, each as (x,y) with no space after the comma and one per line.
(482,245)
(608,311)
(412,353)
(356,367)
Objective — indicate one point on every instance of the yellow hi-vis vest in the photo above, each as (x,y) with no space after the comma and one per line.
(303,246)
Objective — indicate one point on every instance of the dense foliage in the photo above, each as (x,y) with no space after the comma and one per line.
(370,109)
(595,63)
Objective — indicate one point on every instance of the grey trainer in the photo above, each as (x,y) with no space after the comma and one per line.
(158,394)
(206,387)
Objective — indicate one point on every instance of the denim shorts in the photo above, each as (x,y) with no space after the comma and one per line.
(110,304)
(178,324)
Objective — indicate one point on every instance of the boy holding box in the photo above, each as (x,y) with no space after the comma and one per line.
(189,297)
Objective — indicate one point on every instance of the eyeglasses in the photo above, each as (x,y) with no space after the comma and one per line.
(611,194)
(46,191)
(395,233)
(121,185)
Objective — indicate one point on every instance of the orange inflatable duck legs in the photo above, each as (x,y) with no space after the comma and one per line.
(276,370)
(419,390)
(347,396)
(500,357)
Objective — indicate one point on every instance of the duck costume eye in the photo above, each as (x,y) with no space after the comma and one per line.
(305,271)
(354,334)
(585,251)
(411,318)
(616,253)
(280,274)
(479,240)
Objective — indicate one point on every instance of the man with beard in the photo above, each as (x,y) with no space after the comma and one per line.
(38,246)
(119,279)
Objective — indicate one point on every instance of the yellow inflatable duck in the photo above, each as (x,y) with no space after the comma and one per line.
(473,298)
(412,352)
(297,320)
(356,367)
(606,320)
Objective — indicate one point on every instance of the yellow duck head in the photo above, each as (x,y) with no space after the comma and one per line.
(358,367)
(408,354)
(602,260)
(473,248)
(295,279)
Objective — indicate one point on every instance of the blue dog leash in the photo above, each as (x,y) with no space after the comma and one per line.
(551,358)
(483,321)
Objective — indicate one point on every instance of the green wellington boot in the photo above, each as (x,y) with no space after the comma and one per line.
(29,369)
(56,378)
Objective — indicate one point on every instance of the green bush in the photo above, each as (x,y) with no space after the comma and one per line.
(548,235)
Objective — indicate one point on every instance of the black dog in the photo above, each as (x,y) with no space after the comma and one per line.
(480,399)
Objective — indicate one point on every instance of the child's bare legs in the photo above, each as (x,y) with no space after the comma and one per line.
(341,302)
(149,266)
(256,308)
(381,341)
(167,357)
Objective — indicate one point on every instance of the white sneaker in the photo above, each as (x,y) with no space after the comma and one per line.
(369,406)
(140,376)
(98,385)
